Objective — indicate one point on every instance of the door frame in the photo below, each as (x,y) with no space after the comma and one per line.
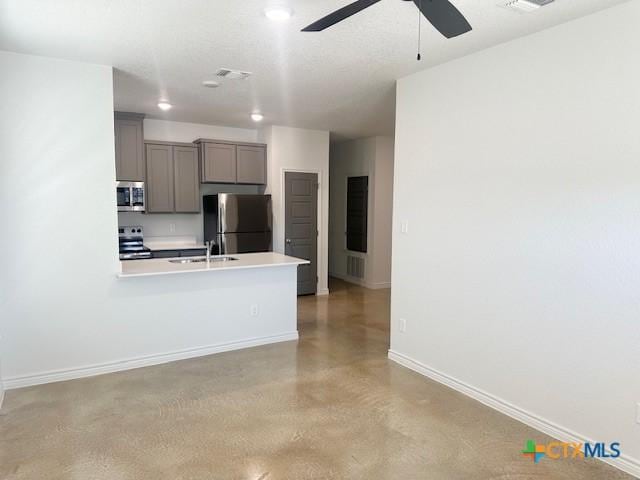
(283,213)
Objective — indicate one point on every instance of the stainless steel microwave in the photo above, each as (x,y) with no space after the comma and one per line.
(131,196)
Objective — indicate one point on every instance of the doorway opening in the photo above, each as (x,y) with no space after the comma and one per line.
(360,211)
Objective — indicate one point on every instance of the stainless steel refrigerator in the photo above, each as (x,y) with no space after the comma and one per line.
(238,223)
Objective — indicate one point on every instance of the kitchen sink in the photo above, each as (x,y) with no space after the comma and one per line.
(222,258)
(188,260)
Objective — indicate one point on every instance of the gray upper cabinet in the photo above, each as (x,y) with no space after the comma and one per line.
(251,164)
(173,180)
(218,163)
(229,162)
(187,179)
(129,144)
(160,179)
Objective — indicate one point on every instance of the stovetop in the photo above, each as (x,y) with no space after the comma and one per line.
(131,243)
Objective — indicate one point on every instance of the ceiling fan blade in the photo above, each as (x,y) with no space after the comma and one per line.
(444,16)
(339,15)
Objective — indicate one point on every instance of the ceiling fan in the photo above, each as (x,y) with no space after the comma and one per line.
(446,18)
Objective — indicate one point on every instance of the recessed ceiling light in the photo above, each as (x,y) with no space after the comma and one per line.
(210,84)
(162,105)
(256,117)
(278,13)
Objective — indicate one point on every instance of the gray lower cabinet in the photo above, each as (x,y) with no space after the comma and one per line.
(129,146)
(192,252)
(173,183)
(228,162)
(251,164)
(200,252)
(165,253)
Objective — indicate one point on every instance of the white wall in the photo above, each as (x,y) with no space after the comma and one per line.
(373,157)
(187,224)
(169,131)
(383,211)
(518,170)
(1,382)
(297,149)
(64,312)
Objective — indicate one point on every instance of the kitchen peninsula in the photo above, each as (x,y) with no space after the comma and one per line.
(177,310)
(218,264)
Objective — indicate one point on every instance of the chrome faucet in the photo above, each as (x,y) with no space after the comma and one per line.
(209,245)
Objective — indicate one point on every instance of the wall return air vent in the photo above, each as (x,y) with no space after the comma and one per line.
(525,6)
(355,266)
(232,74)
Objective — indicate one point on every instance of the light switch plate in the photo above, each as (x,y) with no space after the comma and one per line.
(404,226)
(403,325)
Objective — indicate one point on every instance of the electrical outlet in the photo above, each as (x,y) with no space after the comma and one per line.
(404,226)
(638,412)
(403,325)
(172,227)
(254,310)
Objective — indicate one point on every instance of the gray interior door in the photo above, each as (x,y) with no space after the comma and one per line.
(301,226)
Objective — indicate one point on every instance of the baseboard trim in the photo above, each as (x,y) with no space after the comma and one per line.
(322,292)
(625,463)
(139,362)
(360,282)
(1,395)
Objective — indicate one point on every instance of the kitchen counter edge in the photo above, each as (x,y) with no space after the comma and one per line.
(162,266)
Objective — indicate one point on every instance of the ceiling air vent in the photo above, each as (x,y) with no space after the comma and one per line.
(232,74)
(525,6)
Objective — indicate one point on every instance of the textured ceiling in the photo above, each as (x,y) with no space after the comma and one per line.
(340,80)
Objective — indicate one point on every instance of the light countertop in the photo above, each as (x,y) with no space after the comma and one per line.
(162,266)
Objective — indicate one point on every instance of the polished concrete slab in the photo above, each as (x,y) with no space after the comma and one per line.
(330,406)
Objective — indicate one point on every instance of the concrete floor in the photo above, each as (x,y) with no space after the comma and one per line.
(330,406)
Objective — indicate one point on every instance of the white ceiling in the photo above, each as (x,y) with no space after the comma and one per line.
(340,80)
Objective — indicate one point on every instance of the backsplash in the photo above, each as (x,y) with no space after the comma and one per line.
(180,224)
